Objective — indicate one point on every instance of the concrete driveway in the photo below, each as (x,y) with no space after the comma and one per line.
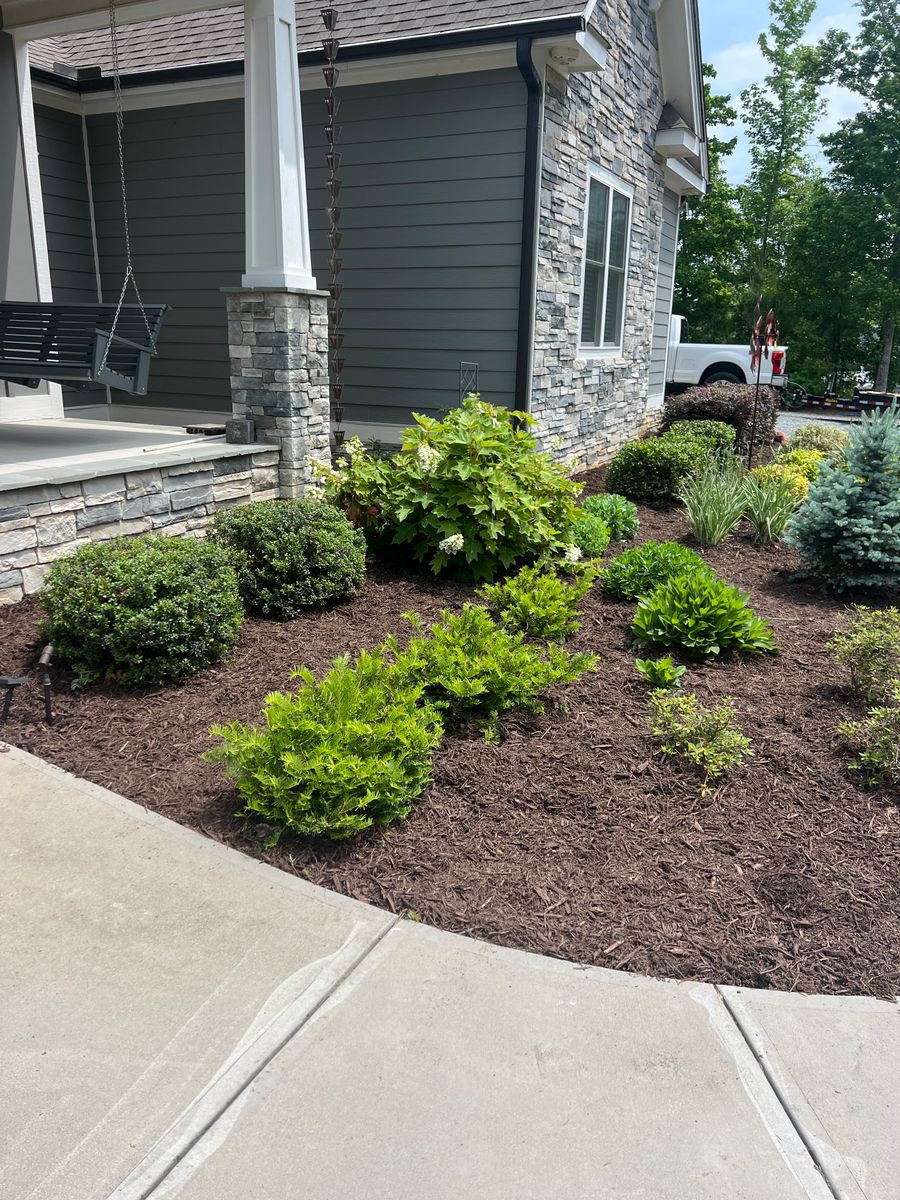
(181,1021)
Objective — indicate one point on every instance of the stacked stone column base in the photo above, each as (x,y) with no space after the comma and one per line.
(278,344)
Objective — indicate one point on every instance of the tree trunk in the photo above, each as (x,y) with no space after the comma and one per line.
(882,377)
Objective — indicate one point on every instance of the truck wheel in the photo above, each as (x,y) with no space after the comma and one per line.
(723,375)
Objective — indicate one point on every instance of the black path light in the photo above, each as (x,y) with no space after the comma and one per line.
(330,47)
(764,339)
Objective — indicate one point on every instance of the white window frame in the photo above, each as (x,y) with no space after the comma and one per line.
(615,184)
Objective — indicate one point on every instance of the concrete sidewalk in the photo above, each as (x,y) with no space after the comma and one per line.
(181,1021)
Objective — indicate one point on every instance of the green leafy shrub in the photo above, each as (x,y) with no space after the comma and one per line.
(470,494)
(877,740)
(718,436)
(795,479)
(807,462)
(538,604)
(769,501)
(848,530)
(469,666)
(292,554)
(828,438)
(337,756)
(869,645)
(618,512)
(661,673)
(590,534)
(701,615)
(654,468)
(708,737)
(636,572)
(731,403)
(142,610)
(713,500)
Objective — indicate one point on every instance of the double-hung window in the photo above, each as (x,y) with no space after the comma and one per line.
(607,229)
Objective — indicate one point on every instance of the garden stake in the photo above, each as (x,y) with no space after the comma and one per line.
(760,344)
(330,47)
(44,660)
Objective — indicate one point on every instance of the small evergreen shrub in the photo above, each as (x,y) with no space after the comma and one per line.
(797,481)
(848,531)
(702,616)
(877,740)
(590,534)
(769,502)
(731,403)
(636,572)
(869,644)
(618,512)
(708,737)
(338,756)
(661,673)
(470,495)
(142,610)
(718,436)
(292,554)
(654,468)
(468,666)
(807,462)
(828,438)
(713,500)
(538,604)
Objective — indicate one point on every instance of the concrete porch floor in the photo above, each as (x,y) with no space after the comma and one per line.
(30,445)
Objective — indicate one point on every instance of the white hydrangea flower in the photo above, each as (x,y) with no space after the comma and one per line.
(354,447)
(452,544)
(428,456)
(571,554)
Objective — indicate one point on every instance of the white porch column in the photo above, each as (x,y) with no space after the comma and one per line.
(24,263)
(277,222)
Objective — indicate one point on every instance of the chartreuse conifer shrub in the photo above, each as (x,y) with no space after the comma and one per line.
(702,616)
(707,736)
(468,666)
(337,756)
(635,572)
(291,555)
(469,495)
(619,513)
(142,610)
(848,531)
(807,462)
(538,603)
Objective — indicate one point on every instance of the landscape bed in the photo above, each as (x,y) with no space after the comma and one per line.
(573,836)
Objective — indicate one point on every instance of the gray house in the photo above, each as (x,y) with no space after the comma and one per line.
(512,177)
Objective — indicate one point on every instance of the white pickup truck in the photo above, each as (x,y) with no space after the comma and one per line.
(692,363)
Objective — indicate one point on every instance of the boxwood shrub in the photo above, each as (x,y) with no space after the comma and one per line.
(655,468)
(292,554)
(142,610)
(718,436)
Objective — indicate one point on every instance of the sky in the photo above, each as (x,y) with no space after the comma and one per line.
(729,31)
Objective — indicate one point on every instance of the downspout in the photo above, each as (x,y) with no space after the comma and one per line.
(525,63)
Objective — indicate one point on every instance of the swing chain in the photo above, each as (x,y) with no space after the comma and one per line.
(120,121)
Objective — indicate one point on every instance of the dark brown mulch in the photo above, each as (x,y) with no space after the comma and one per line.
(573,837)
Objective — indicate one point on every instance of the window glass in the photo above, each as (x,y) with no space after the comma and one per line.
(606,256)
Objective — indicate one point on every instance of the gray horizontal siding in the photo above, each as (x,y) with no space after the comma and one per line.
(67,217)
(665,291)
(432,203)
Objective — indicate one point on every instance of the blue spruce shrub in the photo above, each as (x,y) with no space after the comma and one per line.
(848,531)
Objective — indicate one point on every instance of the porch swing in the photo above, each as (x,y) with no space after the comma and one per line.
(84,344)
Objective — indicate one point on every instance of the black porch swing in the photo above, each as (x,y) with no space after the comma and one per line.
(109,344)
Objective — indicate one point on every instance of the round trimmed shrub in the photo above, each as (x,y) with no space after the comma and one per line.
(635,573)
(619,514)
(590,534)
(827,438)
(718,436)
(655,468)
(143,610)
(292,554)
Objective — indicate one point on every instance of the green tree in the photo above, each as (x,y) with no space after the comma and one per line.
(712,239)
(864,152)
(779,114)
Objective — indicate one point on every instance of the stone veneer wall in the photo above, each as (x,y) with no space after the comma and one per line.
(40,524)
(588,408)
